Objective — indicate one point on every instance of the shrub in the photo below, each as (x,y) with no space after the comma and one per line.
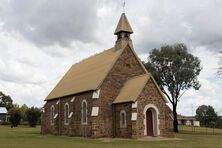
(24,123)
(15,116)
(5,123)
(33,116)
(219,123)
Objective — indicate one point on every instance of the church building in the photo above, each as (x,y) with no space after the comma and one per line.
(110,94)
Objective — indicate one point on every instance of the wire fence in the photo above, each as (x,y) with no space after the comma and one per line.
(199,130)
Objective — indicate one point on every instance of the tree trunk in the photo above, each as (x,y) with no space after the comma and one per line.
(175,122)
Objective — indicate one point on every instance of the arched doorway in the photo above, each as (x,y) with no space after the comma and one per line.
(149,122)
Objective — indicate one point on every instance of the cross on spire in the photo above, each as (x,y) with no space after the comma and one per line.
(123,5)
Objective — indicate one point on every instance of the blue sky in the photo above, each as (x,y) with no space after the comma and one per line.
(40,40)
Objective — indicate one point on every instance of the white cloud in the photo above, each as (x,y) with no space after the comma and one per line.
(210,91)
(45,22)
(40,40)
(28,73)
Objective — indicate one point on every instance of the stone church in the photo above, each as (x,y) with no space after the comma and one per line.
(110,94)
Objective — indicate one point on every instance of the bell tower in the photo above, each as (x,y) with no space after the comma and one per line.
(123,31)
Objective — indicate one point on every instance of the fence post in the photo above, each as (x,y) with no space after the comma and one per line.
(213,130)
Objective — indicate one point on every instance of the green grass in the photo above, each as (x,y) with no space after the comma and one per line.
(24,137)
(200,130)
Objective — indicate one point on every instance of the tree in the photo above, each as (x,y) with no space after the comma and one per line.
(24,109)
(33,116)
(175,71)
(5,101)
(219,122)
(206,114)
(15,116)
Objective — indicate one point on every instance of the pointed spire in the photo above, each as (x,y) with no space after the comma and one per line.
(123,25)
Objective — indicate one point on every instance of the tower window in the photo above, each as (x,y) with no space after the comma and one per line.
(128,65)
(126,35)
(118,36)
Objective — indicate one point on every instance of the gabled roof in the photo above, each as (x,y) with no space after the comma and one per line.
(132,89)
(3,110)
(123,25)
(89,73)
(86,75)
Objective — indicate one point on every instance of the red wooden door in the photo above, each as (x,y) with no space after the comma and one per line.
(149,122)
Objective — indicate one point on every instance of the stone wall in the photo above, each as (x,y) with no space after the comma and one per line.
(151,95)
(123,132)
(46,126)
(105,125)
(74,127)
(125,67)
(169,123)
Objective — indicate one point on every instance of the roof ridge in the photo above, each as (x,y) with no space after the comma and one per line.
(112,54)
(96,54)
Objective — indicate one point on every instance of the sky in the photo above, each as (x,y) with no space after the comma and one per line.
(40,40)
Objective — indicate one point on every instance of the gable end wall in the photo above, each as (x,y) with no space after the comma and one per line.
(151,95)
(126,67)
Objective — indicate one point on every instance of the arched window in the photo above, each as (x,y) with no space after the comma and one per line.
(84,112)
(52,114)
(122,119)
(66,114)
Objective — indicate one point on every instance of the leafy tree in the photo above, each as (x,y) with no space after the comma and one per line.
(212,125)
(5,101)
(33,116)
(24,108)
(175,71)
(206,114)
(219,123)
(15,115)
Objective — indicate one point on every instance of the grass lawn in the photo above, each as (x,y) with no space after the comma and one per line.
(24,137)
(200,130)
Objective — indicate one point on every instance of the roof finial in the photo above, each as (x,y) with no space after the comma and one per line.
(123,5)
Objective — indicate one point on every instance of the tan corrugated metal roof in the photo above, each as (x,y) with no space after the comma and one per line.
(132,89)
(123,25)
(90,73)
(86,75)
